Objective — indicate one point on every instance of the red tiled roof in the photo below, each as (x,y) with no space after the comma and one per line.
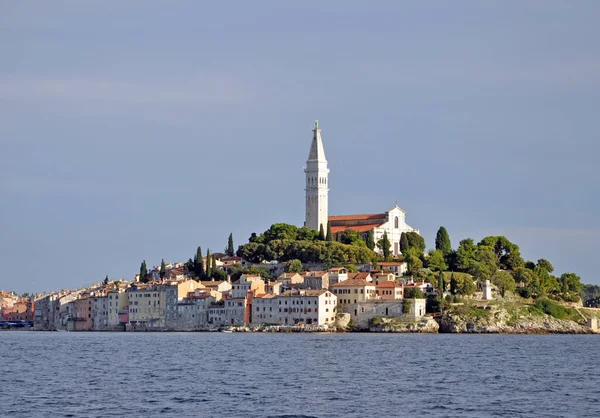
(353,282)
(362,276)
(388,283)
(360,217)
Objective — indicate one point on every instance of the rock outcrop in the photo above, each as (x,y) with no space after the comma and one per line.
(510,320)
(422,325)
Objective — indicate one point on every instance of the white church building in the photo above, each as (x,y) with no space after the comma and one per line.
(392,221)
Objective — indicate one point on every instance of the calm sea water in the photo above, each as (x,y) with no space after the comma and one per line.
(297,375)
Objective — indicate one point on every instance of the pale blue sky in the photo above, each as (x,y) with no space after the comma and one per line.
(142,129)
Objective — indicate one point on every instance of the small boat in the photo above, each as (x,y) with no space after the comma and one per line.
(227,331)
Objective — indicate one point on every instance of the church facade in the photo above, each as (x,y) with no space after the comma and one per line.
(392,221)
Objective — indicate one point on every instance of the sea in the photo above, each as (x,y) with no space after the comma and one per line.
(86,374)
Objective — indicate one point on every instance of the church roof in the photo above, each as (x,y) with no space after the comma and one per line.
(317,152)
(360,217)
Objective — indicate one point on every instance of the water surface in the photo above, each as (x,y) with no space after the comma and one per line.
(297,375)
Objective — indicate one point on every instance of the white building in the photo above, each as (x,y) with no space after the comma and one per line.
(393,222)
(308,307)
(317,183)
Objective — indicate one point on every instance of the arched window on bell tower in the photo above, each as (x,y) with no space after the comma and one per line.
(396,222)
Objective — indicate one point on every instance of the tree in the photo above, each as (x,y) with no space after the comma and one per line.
(294,266)
(143,272)
(220,275)
(486,265)
(329,234)
(545,264)
(105,281)
(507,253)
(453,284)
(370,241)
(524,277)
(403,243)
(199,264)
(163,268)
(416,241)
(441,282)
(213,267)
(466,255)
(504,281)
(321,233)
(230,250)
(385,245)
(352,237)
(414,263)
(208,272)
(413,293)
(571,283)
(442,241)
(435,261)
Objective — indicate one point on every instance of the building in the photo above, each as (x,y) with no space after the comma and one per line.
(247,283)
(337,274)
(393,222)
(192,311)
(317,184)
(389,290)
(294,307)
(316,280)
(352,291)
(118,309)
(288,279)
(100,313)
(399,268)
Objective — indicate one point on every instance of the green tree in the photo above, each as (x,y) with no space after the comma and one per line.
(143,272)
(385,245)
(199,264)
(524,277)
(294,266)
(486,265)
(307,234)
(545,264)
(413,293)
(321,233)
(465,285)
(208,265)
(329,234)
(435,260)
(414,263)
(280,231)
(442,241)
(571,284)
(416,241)
(370,241)
(352,237)
(213,267)
(507,253)
(230,250)
(466,255)
(163,268)
(441,282)
(403,243)
(453,284)
(504,281)
(220,275)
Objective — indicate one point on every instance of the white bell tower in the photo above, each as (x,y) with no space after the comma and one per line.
(317,183)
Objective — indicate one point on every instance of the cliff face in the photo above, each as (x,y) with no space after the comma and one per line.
(506,319)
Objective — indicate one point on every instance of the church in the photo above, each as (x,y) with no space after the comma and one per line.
(392,221)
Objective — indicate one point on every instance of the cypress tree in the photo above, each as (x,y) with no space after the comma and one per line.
(403,243)
(442,241)
(385,244)
(105,281)
(213,268)
(321,233)
(441,283)
(163,268)
(370,240)
(230,251)
(199,263)
(143,272)
(329,235)
(208,272)
(453,284)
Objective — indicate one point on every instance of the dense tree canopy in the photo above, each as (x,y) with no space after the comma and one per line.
(385,245)
(507,253)
(294,266)
(435,260)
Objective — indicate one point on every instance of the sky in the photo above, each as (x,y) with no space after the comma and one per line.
(143,129)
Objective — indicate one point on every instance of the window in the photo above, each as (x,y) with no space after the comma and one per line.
(396,222)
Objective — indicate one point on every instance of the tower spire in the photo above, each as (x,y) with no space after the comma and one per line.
(317,184)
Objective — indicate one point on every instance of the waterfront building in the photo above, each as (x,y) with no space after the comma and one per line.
(118,308)
(389,290)
(100,313)
(247,283)
(307,307)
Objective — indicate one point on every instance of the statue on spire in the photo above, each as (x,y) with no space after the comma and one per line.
(317,124)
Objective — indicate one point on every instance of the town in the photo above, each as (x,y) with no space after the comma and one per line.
(342,272)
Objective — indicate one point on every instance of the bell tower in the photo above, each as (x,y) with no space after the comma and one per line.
(317,183)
